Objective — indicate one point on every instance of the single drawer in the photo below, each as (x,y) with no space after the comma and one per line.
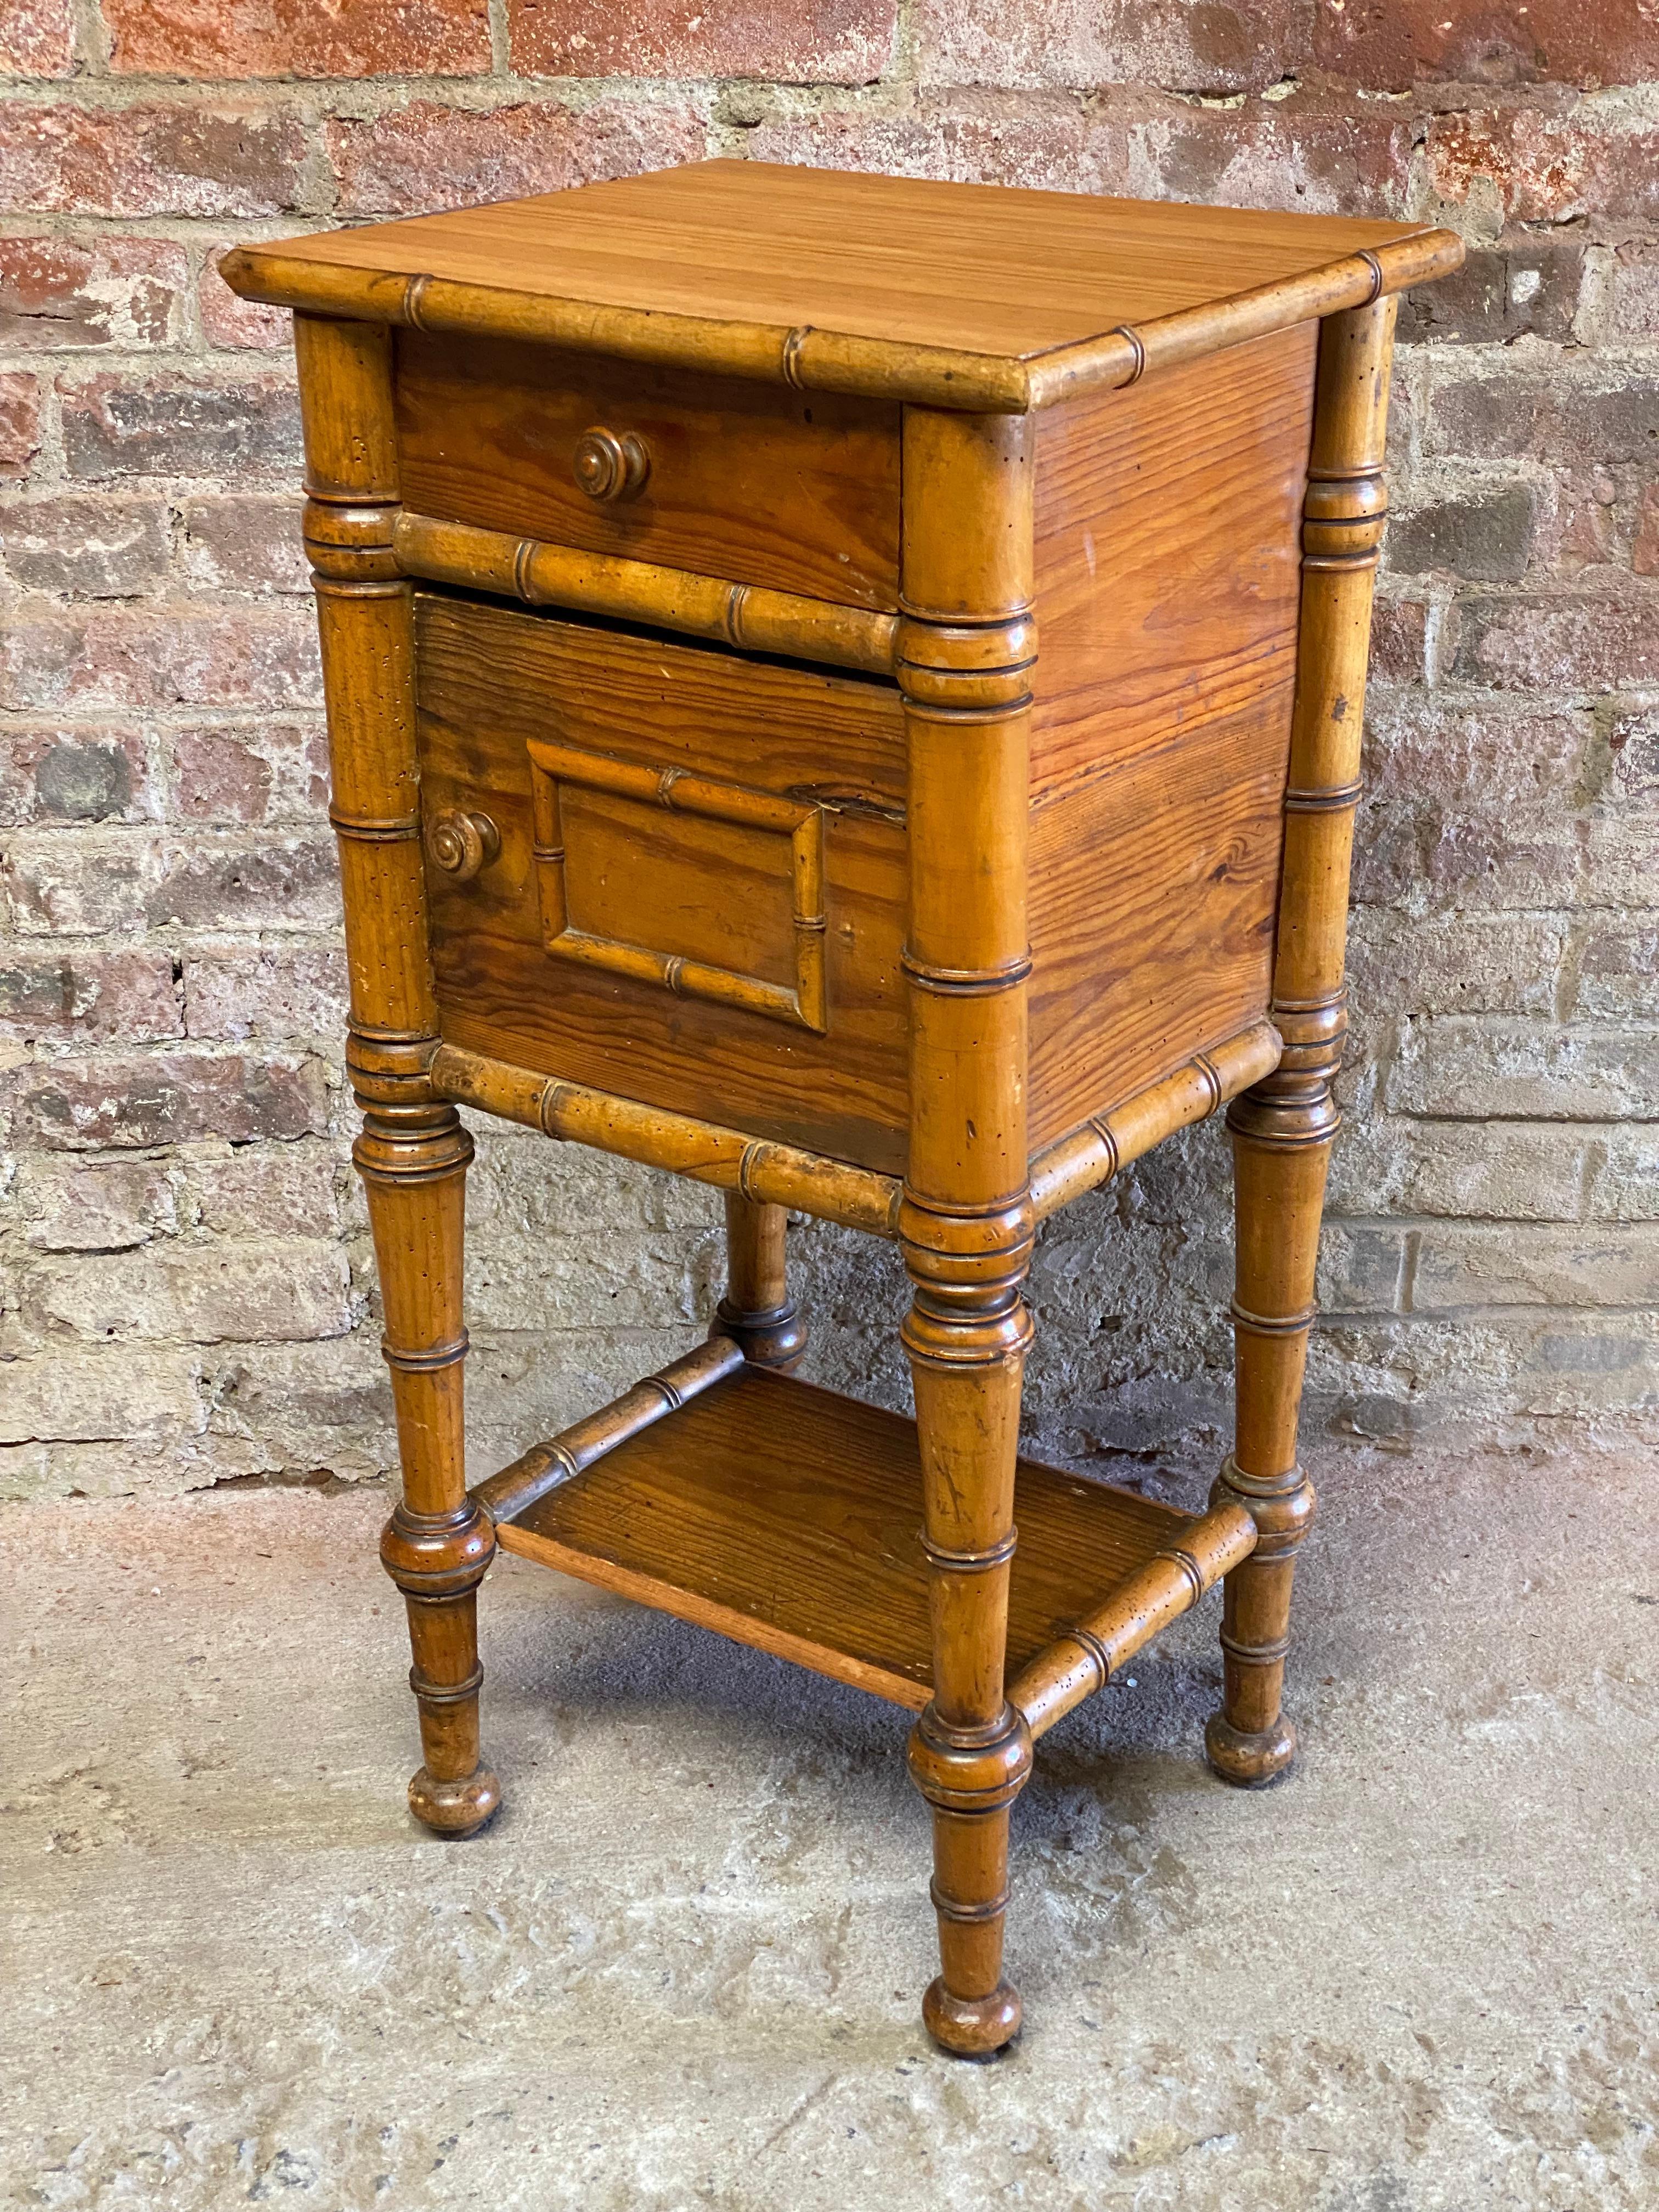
(794,491)
(668,872)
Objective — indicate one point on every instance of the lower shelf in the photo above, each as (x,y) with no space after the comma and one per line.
(788,1518)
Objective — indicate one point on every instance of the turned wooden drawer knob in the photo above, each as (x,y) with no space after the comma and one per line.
(460,844)
(609,467)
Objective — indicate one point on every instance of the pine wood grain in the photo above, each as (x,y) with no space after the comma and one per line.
(789,1517)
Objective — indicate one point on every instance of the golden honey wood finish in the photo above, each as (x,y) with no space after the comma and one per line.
(981,298)
(740,614)
(413,1153)
(574,1449)
(1282,1129)
(1083,1658)
(758,1312)
(966,650)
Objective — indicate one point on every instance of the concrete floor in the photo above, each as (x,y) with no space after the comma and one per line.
(684,1967)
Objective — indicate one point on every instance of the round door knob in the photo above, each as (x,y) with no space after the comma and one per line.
(609,467)
(460,844)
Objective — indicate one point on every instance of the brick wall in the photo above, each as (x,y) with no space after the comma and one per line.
(188,1296)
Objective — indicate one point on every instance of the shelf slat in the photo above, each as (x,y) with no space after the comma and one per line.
(788,1518)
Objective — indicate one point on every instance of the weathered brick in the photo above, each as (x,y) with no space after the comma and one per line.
(263,771)
(1581,528)
(1078,43)
(165,1098)
(241,326)
(58,886)
(1048,143)
(1420,747)
(1507,858)
(179,426)
(1476,964)
(407,159)
(1529,415)
(292,1407)
(1624,1185)
(1483,1263)
(266,1190)
(20,422)
(1390,47)
(1525,286)
(1635,298)
(295,38)
(1543,168)
(1305,154)
(99,775)
(88,547)
(1362,1266)
(113,1396)
(1645,544)
(37,39)
(1633,747)
(98,1204)
(238,158)
(1617,974)
(77,992)
(1452,1064)
(220,882)
(281,995)
(236,545)
(1398,640)
(58,292)
(794,41)
(1484,536)
(1620,845)
(158,653)
(1583,645)
(1505,1171)
(204,1291)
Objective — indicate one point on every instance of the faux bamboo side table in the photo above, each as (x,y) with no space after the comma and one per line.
(681,548)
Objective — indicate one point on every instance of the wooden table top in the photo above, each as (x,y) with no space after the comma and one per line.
(983,269)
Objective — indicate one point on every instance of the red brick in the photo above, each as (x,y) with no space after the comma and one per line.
(264,1189)
(62,887)
(160,654)
(20,423)
(179,425)
(233,39)
(272,772)
(1580,529)
(74,992)
(408,159)
(165,1098)
(56,293)
(1305,153)
(233,545)
(282,996)
(1544,168)
(246,325)
(1525,285)
(1586,644)
(1389,46)
(226,883)
(1529,415)
(37,39)
(1645,551)
(1399,641)
(1059,147)
(241,158)
(1420,747)
(110,1205)
(100,774)
(87,547)
(794,41)
(1221,46)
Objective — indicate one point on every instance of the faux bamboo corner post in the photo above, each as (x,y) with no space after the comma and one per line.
(706,797)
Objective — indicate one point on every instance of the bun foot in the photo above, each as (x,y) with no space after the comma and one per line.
(972,2027)
(1249,1761)
(455,1808)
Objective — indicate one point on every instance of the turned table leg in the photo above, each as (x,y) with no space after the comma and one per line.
(1282,1129)
(757,1312)
(413,1151)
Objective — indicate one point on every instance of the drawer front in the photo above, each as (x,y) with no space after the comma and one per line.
(794,491)
(670,872)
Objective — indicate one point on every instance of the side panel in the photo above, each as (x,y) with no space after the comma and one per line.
(1168,570)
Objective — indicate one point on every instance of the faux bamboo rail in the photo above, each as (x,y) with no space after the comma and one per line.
(546,1466)
(741,614)
(787,1175)
(1092,1154)
(1143,1605)
(814,360)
